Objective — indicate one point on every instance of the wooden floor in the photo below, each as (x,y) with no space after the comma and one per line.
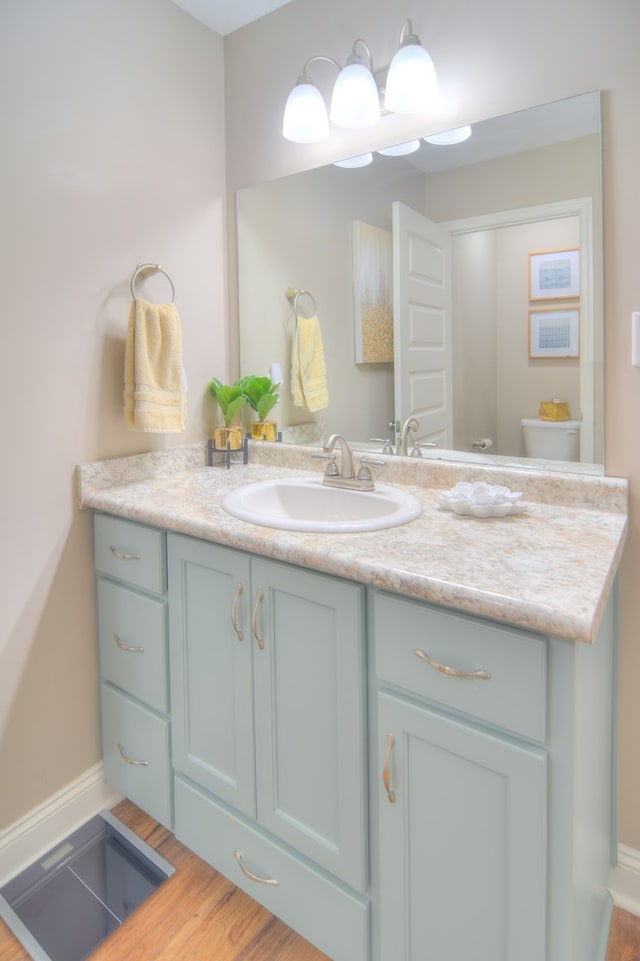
(197,915)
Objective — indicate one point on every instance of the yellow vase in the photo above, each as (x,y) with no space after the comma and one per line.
(231,436)
(264,430)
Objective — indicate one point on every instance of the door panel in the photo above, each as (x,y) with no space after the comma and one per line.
(422,325)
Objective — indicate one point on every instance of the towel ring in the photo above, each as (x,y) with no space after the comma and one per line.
(150,269)
(293,293)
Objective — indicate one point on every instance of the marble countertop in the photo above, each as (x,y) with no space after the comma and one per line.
(549,568)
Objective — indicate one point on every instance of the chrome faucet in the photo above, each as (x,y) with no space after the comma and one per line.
(346,457)
(346,476)
(410,424)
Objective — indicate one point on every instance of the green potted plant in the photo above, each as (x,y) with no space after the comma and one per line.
(262,396)
(231,400)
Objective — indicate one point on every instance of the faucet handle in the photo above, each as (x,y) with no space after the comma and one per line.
(386,444)
(331,469)
(417,447)
(364,473)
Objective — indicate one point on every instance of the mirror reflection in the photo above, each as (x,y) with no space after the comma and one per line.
(459,284)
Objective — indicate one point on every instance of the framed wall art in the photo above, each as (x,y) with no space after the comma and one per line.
(554,332)
(372,294)
(554,274)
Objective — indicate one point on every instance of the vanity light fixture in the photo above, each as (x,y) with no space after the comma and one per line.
(410,86)
(355,101)
(449,137)
(305,114)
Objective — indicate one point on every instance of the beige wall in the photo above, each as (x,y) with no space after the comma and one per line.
(492,58)
(111,153)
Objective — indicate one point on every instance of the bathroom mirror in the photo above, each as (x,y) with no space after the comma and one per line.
(522,185)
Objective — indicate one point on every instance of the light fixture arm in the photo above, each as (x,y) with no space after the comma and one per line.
(407,35)
(354,54)
(304,76)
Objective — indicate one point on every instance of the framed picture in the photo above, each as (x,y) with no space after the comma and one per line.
(372,294)
(554,274)
(554,332)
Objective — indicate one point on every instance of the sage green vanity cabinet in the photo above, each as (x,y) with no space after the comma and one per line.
(395,780)
(133,653)
(269,735)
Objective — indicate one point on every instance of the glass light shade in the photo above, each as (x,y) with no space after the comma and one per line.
(305,115)
(400,149)
(412,85)
(355,101)
(448,137)
(360,161)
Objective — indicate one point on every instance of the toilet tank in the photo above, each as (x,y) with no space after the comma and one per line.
(551,439)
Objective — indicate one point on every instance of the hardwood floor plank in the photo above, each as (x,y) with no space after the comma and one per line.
(624,937)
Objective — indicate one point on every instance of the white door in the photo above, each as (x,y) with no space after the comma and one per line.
(423,354)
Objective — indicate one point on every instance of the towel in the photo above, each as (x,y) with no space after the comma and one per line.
(308,372)
(155,396)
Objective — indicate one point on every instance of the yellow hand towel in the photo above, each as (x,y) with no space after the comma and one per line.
(308,371)
(154,388)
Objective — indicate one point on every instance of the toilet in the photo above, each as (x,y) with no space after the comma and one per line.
(551,439)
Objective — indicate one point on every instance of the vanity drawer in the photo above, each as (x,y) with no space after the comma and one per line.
(136,752)
(132,638)
(513,696)
(131,552)
(332,917)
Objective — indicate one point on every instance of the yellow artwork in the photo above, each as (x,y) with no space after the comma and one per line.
(373,294)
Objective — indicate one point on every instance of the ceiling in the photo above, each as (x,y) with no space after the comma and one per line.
(225,16)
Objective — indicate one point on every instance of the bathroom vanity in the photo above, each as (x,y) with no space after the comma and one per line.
(400,742)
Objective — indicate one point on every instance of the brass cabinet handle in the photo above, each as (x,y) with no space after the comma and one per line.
(119,555)
(130,760)
(125,647)
(234,612)
(451,671)
(386,776)
(252,877)
(254,620)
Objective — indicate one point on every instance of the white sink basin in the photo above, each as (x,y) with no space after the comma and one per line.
(305,504)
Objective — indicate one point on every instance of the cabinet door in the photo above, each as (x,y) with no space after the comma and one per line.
(462,844)
(211,682)
(309,681)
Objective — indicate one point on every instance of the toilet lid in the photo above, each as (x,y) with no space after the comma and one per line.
(552,424)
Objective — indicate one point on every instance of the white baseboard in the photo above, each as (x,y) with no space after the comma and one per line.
(624,880)
(41,829)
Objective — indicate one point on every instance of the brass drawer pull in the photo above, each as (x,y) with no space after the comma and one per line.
(125,647)
(386,776)
(451,671)
(120,556)
(252,877)
(234,612)
(130,760)
(254,620)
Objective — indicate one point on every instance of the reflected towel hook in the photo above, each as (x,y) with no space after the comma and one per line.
(143,270)
(293,293)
